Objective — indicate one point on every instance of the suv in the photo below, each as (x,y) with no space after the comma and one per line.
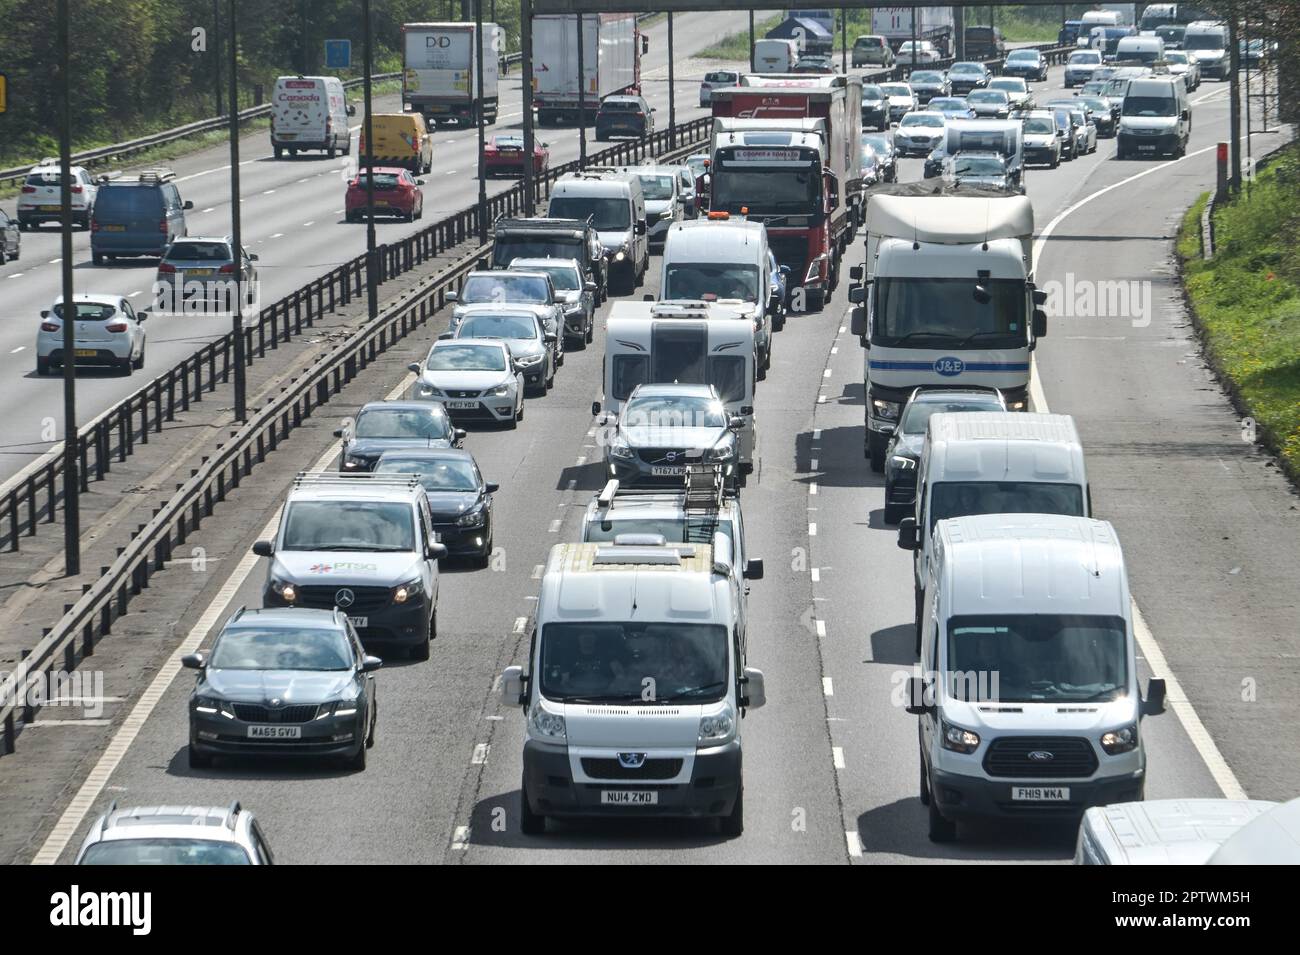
(872,51)
(175,835)
(624,116)
(41,199)
(200,271)
(364,544)
(716,80)
(663,430)
(140,216)
(560,238)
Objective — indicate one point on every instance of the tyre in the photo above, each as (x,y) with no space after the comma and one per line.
(1056,161)
(530,823)
(124,366)
(421,650)
(519,415)
(85,224)
(24,225)
(924,780)
(97,258)
(513,422)
(42,366)
(482,561)
(4,256)
(814,299)
(591,331)
(374,721)
(733,825)
(331,152)
(278,151)
(199,760)
(876,453)
(941,829)
(550,380)
(139,362)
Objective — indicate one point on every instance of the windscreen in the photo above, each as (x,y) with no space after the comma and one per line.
(349,526)
(117,202)
(1203,41)
(501,287)
(498,326)
(165,852)
(1040,126)
(931,120)
(281,648)
(563,277)
(917,415)
(965,498)
(402,423)
(945,313)
(1042,658)
(609,214)
(1150,106)
(507,248)
(766,189)
(383,180)
(197,252)
(698,281)
(657,187)
(456,357)
(88,311)
(609,662)
(982,166)
(436,474)
(674,411)
(872,94)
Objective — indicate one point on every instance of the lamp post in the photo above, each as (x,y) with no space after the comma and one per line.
(478,114)
(237,319)
(365,164)
(71,456)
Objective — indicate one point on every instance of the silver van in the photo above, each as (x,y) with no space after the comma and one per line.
(1155,118)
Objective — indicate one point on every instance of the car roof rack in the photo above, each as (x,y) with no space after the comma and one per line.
(157,174)
(334,479)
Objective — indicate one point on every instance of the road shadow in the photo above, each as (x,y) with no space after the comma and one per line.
(289,769)
(588,477)
(838,452)
(894,645)
(901,828)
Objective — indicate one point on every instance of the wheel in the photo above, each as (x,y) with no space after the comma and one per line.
(24,225)
(1056,161)
(139,362)
(199,760)
(125,365)
(550,380)
(734,824)
(331,152)
(530,823)
(42,366)
(278,151)
(374,721)
(941,829)
(519,415)
(814,299)
(482,561)
(85,224)
(925,779)
(97,258)
(513,422)
(591,331)
(293,152)
(421,650)
(760,369)
(876,452)
(4,256)
(347,149)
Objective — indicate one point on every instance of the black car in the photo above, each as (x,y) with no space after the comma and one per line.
(394,425)
(459,499)
(283,682)
(11,243)
(624,116)
(875,107)
(927,84)
(903,452)
(966,76)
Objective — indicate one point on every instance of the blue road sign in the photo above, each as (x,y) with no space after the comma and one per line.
(338,54)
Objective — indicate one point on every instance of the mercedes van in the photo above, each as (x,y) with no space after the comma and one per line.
(1028,699)
(1208,39)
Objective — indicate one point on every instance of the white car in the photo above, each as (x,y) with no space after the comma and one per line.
(925,52)
(1185,65)
(919,133)
(41,197)
(108,333)
(901,98)
(475,379)
(1082,64)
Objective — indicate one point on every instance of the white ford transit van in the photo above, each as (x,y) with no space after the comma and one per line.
(1028,700)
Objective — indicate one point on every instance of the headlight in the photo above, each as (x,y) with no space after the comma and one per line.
(351,461)
(528,361)
(287,591)
(408,591)
(428,391)
(719,728)
(902,463)
(546,725)
(721,452)
(207,704)
(472,518)
(499,391)
(620,449)
(957,739)
(620,255)
(1122,740)
(885,409)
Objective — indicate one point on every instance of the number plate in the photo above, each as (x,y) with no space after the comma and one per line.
(1147,148)
(1040,793)
(628,797)
(199,272)
(86,353)
(666,471)
(51,208)
(114,228)
(263,731)
(359,622)
(462,405)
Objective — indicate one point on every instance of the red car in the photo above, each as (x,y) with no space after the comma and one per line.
(397,193)
(505,154)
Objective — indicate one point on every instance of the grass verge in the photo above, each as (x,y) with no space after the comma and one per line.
(1246,300)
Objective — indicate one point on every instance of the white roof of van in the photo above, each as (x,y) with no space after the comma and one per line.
(956,220)
(605,581)
(1272,838)
(712,240)
(1169,831)
(1004,445)
(1032,563)
(577,185)
(624,309)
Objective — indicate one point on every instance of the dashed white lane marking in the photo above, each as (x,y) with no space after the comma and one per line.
(816,574)
(18,349)
(277,235)
(520,624)
(821,399)
(460,838)
(813,464)
(308,225)
(837,756)
(480,754)
(821,628)
(537,572)
(107,764)
(853,842)
(268,192)
(812,530)
(835,350)
(1196,732)
(843,329)
(555,526)
(135,293)
(56,261)
(817,434)
(812,487)
(452,172)
(828,689)
(209,209)
(68,723)
(582,459)
(17,275)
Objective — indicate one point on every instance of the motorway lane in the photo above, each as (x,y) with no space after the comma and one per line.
(291,217)
(425,798)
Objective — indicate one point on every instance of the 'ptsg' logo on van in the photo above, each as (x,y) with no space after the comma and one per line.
(949,366)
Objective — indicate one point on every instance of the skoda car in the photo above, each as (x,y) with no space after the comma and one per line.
(460,501)
(387,425)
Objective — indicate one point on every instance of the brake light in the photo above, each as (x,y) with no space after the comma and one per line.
(94,225)
(162,225)
(227,269)
(166,268)
(116,327)
(75,190)
(29,189)
(50,326)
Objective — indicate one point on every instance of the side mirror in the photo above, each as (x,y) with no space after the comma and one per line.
(189,204)
(1154,704)
(45,313)
(784,269)
(858,318)
(491,487)
(916,703)
(446,335)
(195,661)
(754,569)
(909,535)
(640,227)
(414,366)
(352,110)
(338,432)
(735,423)
(589,286)
(452,297)
(855,273)
(549,338)
(1187,114)
(370,664)
(254,257)
(647,297)
(1040,323)
(435,551)
(595,408)
(747,409)
(512,686)
(458,435)
(752,694)
(857,293)
(1040,296)
(419,182)
(645,44)
(264,548)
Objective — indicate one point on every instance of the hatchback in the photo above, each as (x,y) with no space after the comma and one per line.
(624,116)
(475,379)
(41,198)
(396,193)
(108,333)
(197,274)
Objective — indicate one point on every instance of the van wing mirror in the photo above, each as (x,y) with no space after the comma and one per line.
(352,110)
(735,423)
(263,548)
(1040,296)
(917,702)
(855,273)
(512,686)
(640,227)
(595,408)
(754,568)
(1154,704)
(858,318)
(435,551)
(1040,323)
(189,204)
(857,294)
(752,692)
(909,537)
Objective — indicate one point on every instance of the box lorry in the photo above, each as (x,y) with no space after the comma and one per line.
(611,62)
(440,77)
(932,23)
(948,298)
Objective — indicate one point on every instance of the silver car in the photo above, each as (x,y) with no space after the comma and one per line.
(175,835)
(511,287)
(197,274)
(108,333)
(531,346)
(663,429)
(576,296)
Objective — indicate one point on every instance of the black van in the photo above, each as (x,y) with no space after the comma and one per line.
(984,43)
(139,216)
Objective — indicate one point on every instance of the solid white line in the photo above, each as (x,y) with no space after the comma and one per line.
(1200,737)
(17,275)
(854,843)
(109,760)
(821,628)
(280,235)
(56,261)
(837,756)
(827,688)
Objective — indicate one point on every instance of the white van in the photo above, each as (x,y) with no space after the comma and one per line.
(310,112)
(1208,39)
(725,260)
(616,205)
(1162,831)
(635,686)
(689,343)
(1102,18)
(775,56)
(1028,699)
(992,462)
(1147,50)
(1155,118)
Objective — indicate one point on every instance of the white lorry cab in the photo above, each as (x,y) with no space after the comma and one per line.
(1162,831)
(635,686)
(949,299)
(698,343)
(1102,18)
(992,462)
(724,260)
(1028,700)
(310,112)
